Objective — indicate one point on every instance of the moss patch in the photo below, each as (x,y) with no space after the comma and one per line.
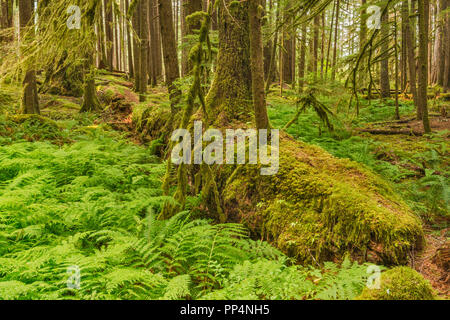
(320,207)
(400,283)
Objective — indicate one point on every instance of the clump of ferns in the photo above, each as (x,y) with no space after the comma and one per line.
(177,246)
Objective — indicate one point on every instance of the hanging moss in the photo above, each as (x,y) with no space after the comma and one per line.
(320,207)
(400,283)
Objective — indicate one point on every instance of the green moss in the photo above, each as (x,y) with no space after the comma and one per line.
(400,283)
(320,207)
(23,118)
(31,127)
(150,120)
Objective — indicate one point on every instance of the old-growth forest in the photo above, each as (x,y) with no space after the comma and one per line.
(116,180)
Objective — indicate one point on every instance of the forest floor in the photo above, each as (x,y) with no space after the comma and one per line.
(417,166)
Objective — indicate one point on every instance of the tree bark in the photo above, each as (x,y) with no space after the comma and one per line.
(316,45)
(257,66)
(424,6)
(333,66)
(6,19)
(446,83)
(154,45)
(169,46)
(438,67)
(230,96)
(136,51)
(302,60)
(30,102)
(109,34)
(411,57)
(188,8)
(129,44)
(143,48)
(385,87)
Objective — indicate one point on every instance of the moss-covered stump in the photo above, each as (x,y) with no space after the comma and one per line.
(400,283)
(318,207)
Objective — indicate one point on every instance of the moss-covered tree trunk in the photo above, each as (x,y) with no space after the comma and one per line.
(143,48)
(385,87)
(437,68)
(136,52)
(410,53)
(447,50)
(302,60)
(257,65)
(129,44)
(109,34)
(153,43)
(170,54)
(90,100)
(30,102)
(188,8)
(230,96)
(6,17)
(336,27)
(424,7)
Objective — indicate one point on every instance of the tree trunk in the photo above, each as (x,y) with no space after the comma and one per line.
(316,45)
(287,57)
(438,67)
(136,51)
(129,45)
(411,57)
(188,8)
(169,46)
(230,95)
(322,47)
(385,87)
(446,83)
(6,17)
(329,40)
(30,102)
(288,48)
(257,66)
(90,100)
(404,52)
(158,50)
(154,45)
(143,48)
(109,34)
(302,60)
(397,111)
(424,6)
(333,66)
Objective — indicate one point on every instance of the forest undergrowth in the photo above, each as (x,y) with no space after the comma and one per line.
(76,194)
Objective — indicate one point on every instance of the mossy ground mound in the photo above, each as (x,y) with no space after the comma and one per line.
(319,207)
(31,127)
(400,283)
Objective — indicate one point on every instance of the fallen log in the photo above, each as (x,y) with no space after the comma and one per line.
(391,132)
